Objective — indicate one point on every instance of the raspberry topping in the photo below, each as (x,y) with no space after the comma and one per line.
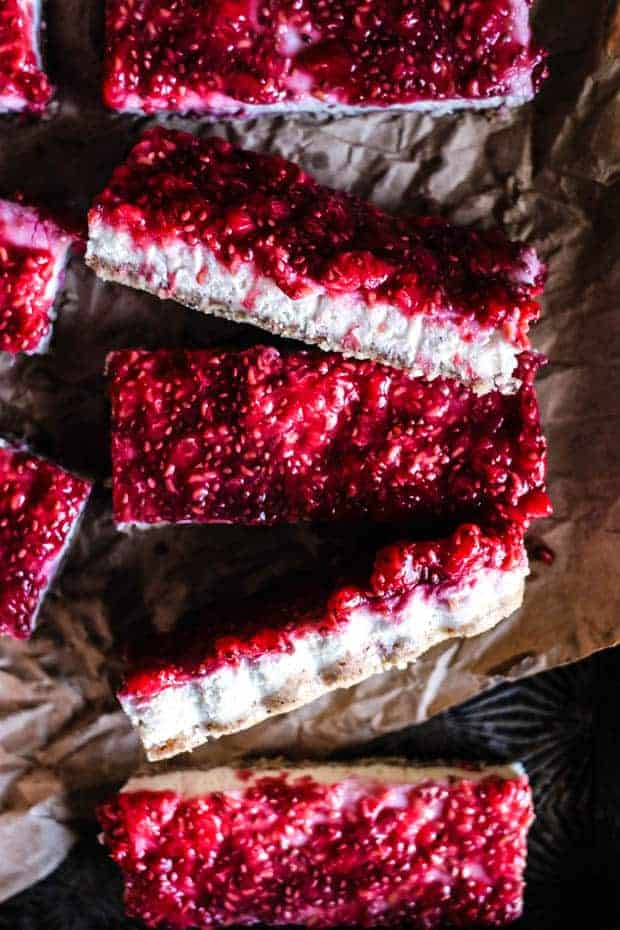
(263,437)
(23,85)
(263,211)
(292,850)
(229,54)
(33,251)
(25,275)
(272,622)
(39,506)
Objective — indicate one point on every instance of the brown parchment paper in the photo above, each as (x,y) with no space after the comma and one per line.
(549,172)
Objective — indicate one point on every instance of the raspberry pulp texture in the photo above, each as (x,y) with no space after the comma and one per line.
(287,849)
(232,55)
(40,504)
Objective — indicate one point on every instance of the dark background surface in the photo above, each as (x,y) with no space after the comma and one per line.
(562,724)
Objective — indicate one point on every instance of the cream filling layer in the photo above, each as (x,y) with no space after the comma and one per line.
(234,697)
(221,105)
(24,227)
(192,275)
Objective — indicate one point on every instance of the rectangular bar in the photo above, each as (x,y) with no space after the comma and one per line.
(242,57)
(34,251)
(40,507)
(259,436)
(380,842)
(23,83)
(253,238)
(266,655)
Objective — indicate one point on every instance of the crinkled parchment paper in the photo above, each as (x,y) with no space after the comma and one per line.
(549,172)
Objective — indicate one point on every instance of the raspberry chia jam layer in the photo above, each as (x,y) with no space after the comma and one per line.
(247,57)
(40,506)
(253,238)
(260,436)
(23,83)
(369,844)
(33,255)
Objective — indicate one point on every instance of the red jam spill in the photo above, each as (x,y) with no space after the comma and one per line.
(39,505)
(261,437)
(288,851)
(23,85)
(272,623)
(543,553)
(222,55)
(260,209)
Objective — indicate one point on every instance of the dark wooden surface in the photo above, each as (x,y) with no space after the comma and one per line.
(561,724)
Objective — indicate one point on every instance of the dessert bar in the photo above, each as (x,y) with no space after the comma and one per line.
(40,506)
(246,660)
(240,57)
(263,436)
(33,255)
(23,83)
(253,238)
(376,843)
